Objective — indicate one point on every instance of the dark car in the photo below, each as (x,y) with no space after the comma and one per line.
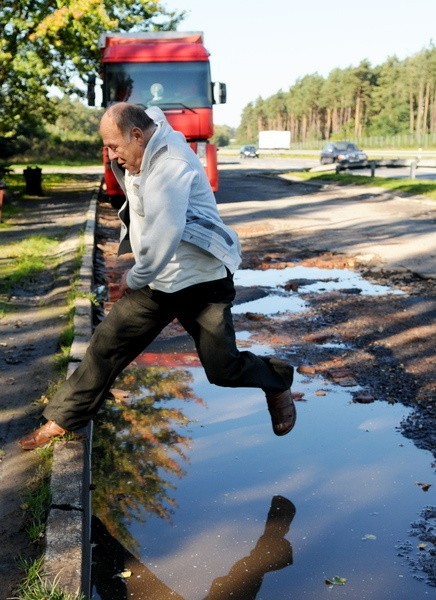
(248,152)
(343,153)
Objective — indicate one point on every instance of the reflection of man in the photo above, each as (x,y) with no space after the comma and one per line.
(271,553)
(184,260)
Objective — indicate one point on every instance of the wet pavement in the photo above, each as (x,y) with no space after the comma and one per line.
(197,499)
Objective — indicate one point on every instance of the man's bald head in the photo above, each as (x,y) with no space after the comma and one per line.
(126,116)
(126,130)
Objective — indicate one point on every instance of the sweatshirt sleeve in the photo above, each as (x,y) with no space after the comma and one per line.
(157,234)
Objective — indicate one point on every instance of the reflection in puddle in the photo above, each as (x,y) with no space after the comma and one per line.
(137,446)
(345,467)
(272,305)
(244,580)
(245,341)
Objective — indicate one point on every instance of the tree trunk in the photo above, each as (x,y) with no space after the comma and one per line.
(420,109)
(425,124)
(411,112)
(357,116)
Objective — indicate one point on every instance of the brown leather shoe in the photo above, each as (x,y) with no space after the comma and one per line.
(282,410)
(41,436)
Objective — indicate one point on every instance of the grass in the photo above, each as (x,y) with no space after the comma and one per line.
(36,587)
(22,261)
(413,187)
(6,307)
(62,357)
(38,496)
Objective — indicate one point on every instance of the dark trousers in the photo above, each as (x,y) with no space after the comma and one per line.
(204,310)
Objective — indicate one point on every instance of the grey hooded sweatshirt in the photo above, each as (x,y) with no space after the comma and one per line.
(169,201)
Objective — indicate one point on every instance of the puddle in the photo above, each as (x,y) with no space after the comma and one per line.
(318,280)
(272,305)
(199,498)
(311,280)
(245,341)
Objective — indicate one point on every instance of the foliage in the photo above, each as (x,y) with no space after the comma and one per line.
(222,136)
(25,260)
(36,587)
(137,449)
(56,43)
(395,97)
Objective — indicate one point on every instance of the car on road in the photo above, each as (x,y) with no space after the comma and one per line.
(248,152)
(345,154)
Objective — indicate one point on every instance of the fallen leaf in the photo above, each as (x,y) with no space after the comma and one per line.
(425,486)
(124,574)
(336,581)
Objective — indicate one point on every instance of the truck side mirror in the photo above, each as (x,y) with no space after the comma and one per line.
(222,93)
(219,90)
(91,90)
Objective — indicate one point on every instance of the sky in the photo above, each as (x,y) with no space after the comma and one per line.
(258,48)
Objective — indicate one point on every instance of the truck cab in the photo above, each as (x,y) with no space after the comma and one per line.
(170,70)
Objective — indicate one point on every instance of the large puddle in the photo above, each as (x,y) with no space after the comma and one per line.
(199,500)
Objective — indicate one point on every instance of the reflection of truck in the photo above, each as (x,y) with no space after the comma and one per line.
(274,140)
(166,69)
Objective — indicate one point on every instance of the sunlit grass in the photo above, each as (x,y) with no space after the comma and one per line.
(22,261)
(38,496)
(413,187)
(36,587)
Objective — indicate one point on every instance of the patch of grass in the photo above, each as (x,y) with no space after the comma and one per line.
(62,357)
(6,307)
(413,187)
(9,211)
(51,182)
(21,261)
(36,587)
(38,496)
(57,162)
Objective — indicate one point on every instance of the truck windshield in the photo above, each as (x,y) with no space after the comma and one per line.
(158,84)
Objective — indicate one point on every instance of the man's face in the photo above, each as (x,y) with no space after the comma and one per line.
(126,150)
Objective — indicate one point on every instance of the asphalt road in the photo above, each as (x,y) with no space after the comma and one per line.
(308,163)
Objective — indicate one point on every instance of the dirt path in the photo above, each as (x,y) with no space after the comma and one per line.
(29,339)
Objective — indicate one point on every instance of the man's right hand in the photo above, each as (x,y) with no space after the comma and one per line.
(124,288)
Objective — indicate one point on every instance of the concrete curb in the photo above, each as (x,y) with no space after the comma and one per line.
(67,559)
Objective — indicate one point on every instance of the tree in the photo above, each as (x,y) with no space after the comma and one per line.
(47,43)
(222,136)
(395,97)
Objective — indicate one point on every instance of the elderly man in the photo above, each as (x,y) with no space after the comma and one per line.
(184,260)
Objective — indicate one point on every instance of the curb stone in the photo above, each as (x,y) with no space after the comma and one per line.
(67,559)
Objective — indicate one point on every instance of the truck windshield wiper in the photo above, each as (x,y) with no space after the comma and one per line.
(164,105)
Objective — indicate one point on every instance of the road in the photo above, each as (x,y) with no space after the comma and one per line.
(370,223)
(308,163)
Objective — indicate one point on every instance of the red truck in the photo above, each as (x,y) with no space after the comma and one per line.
(167,69)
